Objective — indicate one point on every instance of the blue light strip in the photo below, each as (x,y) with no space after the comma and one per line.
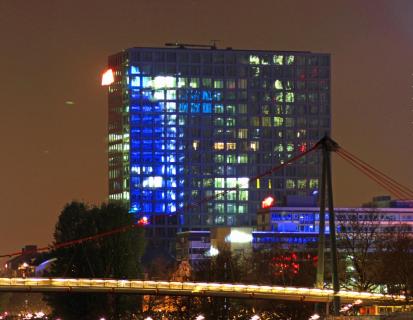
(156,158)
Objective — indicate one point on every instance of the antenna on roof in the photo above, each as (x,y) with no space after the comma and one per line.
(214,43)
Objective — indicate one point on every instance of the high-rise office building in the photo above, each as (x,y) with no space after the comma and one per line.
(187,123)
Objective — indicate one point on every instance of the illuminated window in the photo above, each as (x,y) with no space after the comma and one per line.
(289,97)
(232,196)
(290,59)
(230,109)
(171,107)
(171,94)
(208,182)
(230,122)
(163,82)
(290,147)
(219,146)
(231,146)
(207,107)
(218,84)
(181,121)
(231,158)
(254,59)
(219,121)
(219,108)
(219,208)
(258,183)
(242,208)
(243,183)
(135,81)
(279,148)
(290,184)
(231,182)
(194,83)
(219,219)
(159,95)
(277,59)
(243,195)
(254,145)
(183,107)
(195,107)
(242,133)
(266,121)
(313,183)
(301,183)
(278,85)
(219,182)
(278,121)
(152,182)
(195,144)
(219,158)
(231,208)
(243,158)
(134,70)
(279,97)
(146,82)
(182,82)
(265,60)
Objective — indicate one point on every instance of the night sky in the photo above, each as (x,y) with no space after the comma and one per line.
(53,52)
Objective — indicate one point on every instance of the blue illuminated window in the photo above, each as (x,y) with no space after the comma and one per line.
(207,107)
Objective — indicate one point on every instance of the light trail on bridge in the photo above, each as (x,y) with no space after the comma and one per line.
(189,289)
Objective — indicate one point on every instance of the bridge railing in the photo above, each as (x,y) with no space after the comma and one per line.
(187,288)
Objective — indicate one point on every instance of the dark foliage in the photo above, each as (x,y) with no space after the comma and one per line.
(116,256)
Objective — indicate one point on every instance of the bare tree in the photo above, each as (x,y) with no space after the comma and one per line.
(359,239)
(397,262)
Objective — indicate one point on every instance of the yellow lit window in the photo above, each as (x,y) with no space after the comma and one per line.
(266,121)
(301,183)
(254,145)
(242,133)
(278,121)
(219,146)
(231,146)
(195,144)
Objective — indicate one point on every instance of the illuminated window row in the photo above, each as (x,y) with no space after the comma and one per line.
(230,208)
(227,146)
(231,158)
(159,82)
(301,183)
(241,183)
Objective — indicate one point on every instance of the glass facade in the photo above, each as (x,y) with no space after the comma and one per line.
(187,124)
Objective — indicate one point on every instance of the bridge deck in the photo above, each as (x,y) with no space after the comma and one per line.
(187,289)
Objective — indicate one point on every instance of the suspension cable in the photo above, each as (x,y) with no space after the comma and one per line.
(193,205)
(374,175)
(390,180)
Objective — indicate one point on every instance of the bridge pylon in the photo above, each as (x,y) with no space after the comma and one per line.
(327,145)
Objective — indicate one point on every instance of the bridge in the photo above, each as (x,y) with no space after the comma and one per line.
(318,294)
(191,289)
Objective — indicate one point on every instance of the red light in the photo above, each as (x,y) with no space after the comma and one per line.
(267,202)
(303,147)
(108,77)
(143,221)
